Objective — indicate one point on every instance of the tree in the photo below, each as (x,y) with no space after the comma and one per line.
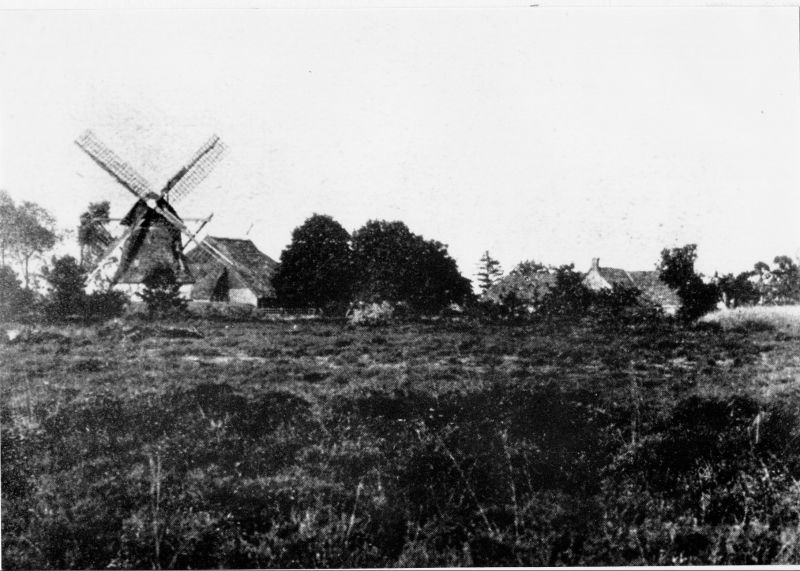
(676,269)
(162,293)
(67,281)
(489,271)
(529,268)
(93,237)
(34,234)
(382,254)
(316,268)
(393,264)
(433,281)
(785,287)
(738,290)
(13,299)
(8,225)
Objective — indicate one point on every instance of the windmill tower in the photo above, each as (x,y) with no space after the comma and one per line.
(153,230)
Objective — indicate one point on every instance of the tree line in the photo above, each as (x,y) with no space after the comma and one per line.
(27,231)
(383,262)
(324,266)
(523,291)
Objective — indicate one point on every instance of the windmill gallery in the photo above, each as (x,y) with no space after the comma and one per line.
(215,269)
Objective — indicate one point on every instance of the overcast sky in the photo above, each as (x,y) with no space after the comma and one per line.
(547,133)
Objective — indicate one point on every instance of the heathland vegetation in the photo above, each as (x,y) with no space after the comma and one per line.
(453,442)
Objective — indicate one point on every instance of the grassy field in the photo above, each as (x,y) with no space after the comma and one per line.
(311,443)
(781,317)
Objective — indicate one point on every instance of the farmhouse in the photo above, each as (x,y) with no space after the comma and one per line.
(247,279)
(648,282)
(528,288)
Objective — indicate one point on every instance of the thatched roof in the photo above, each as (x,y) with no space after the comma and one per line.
(616,276)
(649,282)
(252,269)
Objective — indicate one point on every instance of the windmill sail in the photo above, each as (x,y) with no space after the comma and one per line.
(195,170)
(124,173)
(154,234)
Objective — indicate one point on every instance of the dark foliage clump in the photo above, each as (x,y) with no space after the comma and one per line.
(67,300)
(739,290)
(67,281)
(395,265)
(316,269)
(677,271)
(162,294)
(103,305)
(15,301)
(569,296)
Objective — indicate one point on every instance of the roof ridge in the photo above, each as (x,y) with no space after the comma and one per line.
(236,239)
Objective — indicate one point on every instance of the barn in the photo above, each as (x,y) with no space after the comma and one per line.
(247,280)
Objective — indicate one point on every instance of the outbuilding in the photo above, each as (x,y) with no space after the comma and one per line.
(247,280)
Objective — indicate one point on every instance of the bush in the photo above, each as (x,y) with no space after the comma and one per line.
(622,305)
(102,305)
(569,296)
(697,299)
(370,313)
(67,280)
(676,269)
(162,293)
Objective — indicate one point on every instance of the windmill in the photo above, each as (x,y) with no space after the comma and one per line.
(153,229)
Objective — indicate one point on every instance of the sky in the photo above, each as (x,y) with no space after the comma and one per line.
(556,134)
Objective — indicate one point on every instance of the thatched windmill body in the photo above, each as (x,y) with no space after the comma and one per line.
(153,230)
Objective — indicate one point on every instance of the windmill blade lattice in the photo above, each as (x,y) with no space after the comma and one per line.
(124,173)
(195,171)
(180,184)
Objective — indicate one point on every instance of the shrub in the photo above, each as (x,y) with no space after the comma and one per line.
(568,296)
(162,293)
(370,313)
(67,281)
(102,305)
(676,269)
(697,299)
(622,305)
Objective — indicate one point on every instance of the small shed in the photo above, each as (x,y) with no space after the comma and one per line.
(247,280)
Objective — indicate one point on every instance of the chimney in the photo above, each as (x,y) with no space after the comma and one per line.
(595,264)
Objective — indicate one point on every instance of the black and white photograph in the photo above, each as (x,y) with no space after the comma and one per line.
(399,284)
